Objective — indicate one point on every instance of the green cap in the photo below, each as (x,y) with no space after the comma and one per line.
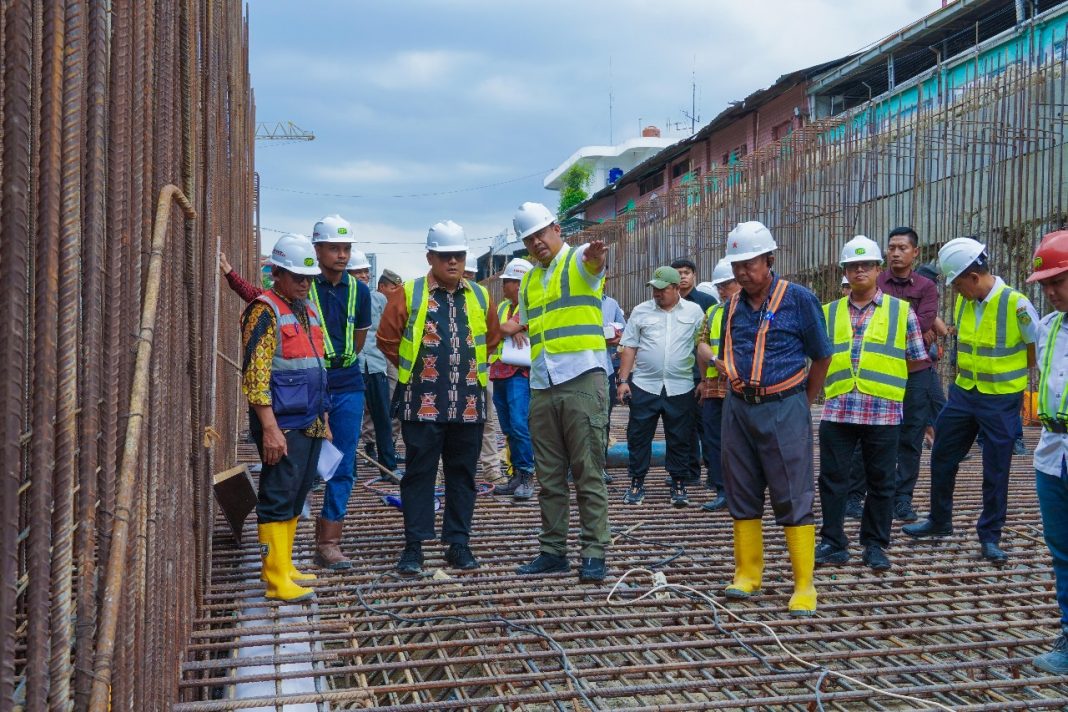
(663,276)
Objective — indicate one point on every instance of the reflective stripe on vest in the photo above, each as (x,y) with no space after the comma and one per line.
(297,371)
(991,355)
(760,339)
(417,297)
(714,318)
(1045,408)
(502,316)
(882,370)
(564,316)
(348,357)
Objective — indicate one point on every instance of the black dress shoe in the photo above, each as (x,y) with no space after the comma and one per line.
(828,554)
(992,553)
(411,560)
(544,564)
(876,558)
(718,503)
(926,529)
(592,571)
(459,556)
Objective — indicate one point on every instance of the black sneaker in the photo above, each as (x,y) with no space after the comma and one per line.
(828,554)
(459,556)
(993,553)
(1018,447)
(717,503)
(544,564)
(606,478)
(636,493)
(875,557)
(592,571)
(855,506)
(904,512)
(411,560)
(678,494)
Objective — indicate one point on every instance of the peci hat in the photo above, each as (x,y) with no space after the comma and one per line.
(391,277)
(663,276)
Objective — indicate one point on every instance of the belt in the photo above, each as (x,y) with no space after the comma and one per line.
(1055,426)
(754,395)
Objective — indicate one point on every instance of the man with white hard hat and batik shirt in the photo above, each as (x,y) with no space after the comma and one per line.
(772,331)
(876,341)
(1051,455)
(996,332)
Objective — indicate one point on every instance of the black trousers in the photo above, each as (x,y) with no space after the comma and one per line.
(645,410)
(916,409)
(699,443)
(711,431)
(457,446)
(284,486)
(878,444)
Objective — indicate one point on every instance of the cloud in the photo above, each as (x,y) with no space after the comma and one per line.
(390,172)
(420,69)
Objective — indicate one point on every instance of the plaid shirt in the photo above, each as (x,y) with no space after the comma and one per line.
(860,408)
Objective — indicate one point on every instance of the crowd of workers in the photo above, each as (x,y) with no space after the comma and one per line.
(731,367)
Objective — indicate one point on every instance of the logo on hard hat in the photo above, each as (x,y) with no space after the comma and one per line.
(734,244)
(1038,263)
(342,231)
(860,250)
(309,262)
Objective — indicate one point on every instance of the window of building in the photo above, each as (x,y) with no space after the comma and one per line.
(781,131)
(680,168)
(651,183)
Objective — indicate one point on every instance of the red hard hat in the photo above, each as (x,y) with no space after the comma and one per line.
(1051,257)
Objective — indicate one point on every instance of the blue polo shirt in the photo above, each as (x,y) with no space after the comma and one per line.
(797,332)
(334,299)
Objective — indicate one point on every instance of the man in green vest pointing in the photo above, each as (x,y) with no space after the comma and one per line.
(560,303)
(876,341)
(996,330)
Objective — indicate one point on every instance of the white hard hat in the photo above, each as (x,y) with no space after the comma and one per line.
(294,253)
(861,249)
(357,260)
(958,255)
(722,272)
(530,218)
(516,269)
(332,228)
(709,289)
(748,240)
(446,236)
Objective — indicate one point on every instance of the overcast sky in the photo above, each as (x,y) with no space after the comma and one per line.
(462,107)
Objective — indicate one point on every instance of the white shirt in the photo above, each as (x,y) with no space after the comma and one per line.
(1052,450)
(1026,314)
(665,342)
(547,370)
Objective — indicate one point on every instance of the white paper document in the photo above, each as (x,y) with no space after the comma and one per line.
(329,459)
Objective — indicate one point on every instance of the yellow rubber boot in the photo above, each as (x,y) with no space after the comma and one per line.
(748,558)
(801,542)
(294,574)
(275,543)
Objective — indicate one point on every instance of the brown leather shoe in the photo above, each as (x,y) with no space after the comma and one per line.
(327,553)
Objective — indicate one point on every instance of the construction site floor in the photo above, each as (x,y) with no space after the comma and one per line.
(942,627)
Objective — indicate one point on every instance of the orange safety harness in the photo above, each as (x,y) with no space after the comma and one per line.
(767,314)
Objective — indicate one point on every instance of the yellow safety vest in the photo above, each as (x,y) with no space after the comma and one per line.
(991,355)
(714,318)
(565,316)
(417,296)
(502,316)
(882,370)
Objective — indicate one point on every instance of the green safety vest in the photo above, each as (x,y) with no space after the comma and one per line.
(417,296)
(882,370)
(348,357)
(565,315)
(714,317)
(1046,410)
(991,355)
(502,316)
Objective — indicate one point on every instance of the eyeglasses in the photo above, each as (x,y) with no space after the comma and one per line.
(451,256)
(300,278)
(860,266)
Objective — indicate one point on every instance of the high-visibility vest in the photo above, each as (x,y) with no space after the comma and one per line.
(349,355)
(756,373)
(565,315)
(882,370)
(298,375)
(714,318)
(1047,410)
(991,355)
(502,316)
(417,297)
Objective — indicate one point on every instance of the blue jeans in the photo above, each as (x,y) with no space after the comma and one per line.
(346,417)
(1053,503)
(966,415)
(511,398)
(377,392)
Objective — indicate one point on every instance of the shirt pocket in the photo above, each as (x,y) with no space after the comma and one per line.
(290,393)
(294,341)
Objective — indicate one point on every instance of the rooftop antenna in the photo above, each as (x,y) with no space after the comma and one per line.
(692,115)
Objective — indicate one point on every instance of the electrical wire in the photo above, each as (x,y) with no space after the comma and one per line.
(506,623)
(408,195)
(694,594)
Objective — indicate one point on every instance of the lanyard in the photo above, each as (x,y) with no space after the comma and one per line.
(350,323)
